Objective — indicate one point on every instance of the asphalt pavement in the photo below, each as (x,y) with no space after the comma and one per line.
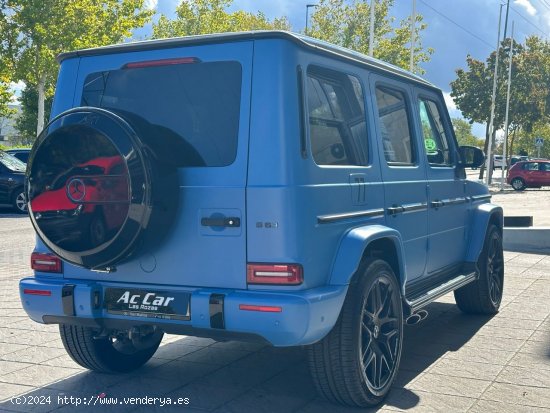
(451,363)
(530,202)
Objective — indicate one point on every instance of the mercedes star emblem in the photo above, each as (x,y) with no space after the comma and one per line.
(76,190)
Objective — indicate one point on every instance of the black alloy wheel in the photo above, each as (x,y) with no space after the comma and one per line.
(357,362)
(484,296)
(380,334)
(495,269)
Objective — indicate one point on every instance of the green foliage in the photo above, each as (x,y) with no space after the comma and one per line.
(530,93)
(5,68)
(530,89)
(212,16)
(464,135)
(26,121)
(524,141)
(348,24)
(38,30)
(46,28)
(5,96)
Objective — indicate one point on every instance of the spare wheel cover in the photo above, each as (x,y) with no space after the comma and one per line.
(89,187)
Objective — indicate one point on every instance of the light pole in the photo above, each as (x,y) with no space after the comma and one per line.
(491,123)
(371,34)
(492,118)
(307,14)
(505,143)
(413,35)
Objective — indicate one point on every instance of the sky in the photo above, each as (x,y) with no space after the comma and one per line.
(456,28)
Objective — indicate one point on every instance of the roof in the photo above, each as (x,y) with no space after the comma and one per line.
(301,40)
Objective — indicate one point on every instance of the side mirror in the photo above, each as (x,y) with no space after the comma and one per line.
(471,157)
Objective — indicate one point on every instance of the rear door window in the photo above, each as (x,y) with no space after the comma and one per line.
(435,139)
(197,102)
(336,113)
(531,166)
(395,126)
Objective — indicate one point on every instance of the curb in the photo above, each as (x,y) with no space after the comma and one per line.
(534,240)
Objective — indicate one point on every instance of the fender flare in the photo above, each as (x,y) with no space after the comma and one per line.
(353,245)
(482,215)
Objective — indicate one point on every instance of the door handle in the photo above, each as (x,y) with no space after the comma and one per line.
(232,222)
(437,204)
(394,210)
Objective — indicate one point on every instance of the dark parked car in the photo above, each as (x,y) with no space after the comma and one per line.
(12,179)
(21,153)
(530,174)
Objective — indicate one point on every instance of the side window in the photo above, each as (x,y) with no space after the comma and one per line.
(545,167)
(435,140)
(394,125)
(336,113)
(531,166)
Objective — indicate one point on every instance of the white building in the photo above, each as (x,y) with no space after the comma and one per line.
(7,127)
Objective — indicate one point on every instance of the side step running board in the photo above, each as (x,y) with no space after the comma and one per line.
(451,285)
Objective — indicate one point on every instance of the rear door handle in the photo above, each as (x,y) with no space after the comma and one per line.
(232,222)
(394,210)
(437,204)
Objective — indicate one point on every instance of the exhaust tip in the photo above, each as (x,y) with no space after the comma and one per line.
(416,317)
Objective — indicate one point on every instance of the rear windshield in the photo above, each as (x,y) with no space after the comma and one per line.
(198,103)
(11,162)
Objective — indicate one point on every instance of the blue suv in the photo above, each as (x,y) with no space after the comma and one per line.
(258,186)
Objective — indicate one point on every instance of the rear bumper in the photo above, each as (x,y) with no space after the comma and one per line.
(306,316)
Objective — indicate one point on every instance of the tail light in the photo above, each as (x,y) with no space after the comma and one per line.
(275,274)
(44,293)
(46,262)
(261,308)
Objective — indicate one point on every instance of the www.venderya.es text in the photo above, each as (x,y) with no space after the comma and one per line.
(100,400)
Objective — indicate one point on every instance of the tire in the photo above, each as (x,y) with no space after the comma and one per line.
(98,230)
(369,328)
(485,295)
(518,184)
(19,201)
(106,354)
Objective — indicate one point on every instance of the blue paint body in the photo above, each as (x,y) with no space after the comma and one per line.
(271,181)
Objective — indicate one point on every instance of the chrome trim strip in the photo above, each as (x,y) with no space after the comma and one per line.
(454,201)
(416,207)
(441,290)
(370,213)
(481,197)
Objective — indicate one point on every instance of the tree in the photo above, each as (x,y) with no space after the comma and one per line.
(529,103)
(6,38)
(5,96)
(348,24)
(464,135)
(524,142)
(212,16)
(26,121)
(44,28)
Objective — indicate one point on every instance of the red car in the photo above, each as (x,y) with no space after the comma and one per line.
(95,191)
(529,174)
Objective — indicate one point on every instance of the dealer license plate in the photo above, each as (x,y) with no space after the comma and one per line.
(148,303)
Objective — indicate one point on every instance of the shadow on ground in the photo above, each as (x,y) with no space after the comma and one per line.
(240,377)
(10,213)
